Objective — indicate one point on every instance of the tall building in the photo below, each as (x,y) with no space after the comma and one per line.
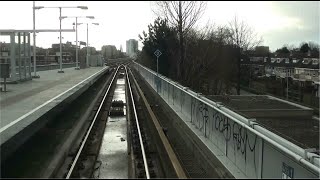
(131,47)
(109,51)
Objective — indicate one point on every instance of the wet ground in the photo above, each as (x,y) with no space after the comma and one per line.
(113,155)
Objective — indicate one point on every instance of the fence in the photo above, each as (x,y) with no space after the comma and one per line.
(246,149)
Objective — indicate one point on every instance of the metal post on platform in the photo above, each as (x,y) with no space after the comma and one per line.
(77,67)
(76,24)
(287,83)
(87,59)
(29,56)
(5,85)
(60,71)
(13,57)
(40,7)
(24,56)
(19,54)
(34,43)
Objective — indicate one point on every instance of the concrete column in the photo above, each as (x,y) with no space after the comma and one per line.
(60,71)
(13,57)
(19,54)
(24,56)
(29,55)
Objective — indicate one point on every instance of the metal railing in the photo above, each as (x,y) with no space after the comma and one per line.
(227,129)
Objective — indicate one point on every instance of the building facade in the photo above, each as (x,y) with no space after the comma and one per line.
(131,47)
(109,51)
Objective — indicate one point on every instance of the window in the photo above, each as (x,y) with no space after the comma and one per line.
(315,61)
(287,60)
(279,60)
(306,61)
(295,60)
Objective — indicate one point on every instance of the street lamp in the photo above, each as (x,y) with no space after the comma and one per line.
(80,7)
(90,17)
(287,74)
(87,58)
(34,40)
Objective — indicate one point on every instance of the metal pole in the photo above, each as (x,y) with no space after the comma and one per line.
(29,56)
(19,54)
(87,46)
(34,42)
(24,56)
(157,66)
(5,84)
(77,67)
(287,83)
(60,45)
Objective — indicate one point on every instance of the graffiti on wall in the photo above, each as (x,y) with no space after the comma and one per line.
(219,125)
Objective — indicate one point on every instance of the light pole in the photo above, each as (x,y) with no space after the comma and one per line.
(81,7)
(34,42)
(287,74)
(90,17)
(87,58)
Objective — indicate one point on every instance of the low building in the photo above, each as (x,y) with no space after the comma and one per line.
(290,121)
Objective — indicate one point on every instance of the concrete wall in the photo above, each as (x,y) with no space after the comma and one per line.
(244,151)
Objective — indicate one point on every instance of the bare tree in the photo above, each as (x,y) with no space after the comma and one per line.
(209,60)
(313,45)
(182,15)
(244,38)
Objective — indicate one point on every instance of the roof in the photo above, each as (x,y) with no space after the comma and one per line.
(290,121)
(311,63)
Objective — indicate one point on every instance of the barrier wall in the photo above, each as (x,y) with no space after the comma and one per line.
(239,143)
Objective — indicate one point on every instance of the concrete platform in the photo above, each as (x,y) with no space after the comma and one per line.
(26,102)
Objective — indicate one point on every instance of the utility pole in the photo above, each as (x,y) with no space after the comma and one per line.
(34,43)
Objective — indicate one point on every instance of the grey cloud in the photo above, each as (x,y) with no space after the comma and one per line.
(277,38)
(307,11)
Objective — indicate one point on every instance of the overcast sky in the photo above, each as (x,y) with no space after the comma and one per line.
(278,23)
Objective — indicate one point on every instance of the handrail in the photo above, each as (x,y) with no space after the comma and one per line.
(138,128)
(286,146)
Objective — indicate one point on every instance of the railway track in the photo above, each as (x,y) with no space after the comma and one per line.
(144,155)
(149,153)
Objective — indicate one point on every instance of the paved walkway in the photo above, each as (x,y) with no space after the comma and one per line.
(27,97)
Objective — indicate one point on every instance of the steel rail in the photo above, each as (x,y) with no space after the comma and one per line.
(172,156)
(138,127)
(88,132)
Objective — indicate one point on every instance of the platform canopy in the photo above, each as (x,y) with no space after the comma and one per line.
(8,31)
(20,52)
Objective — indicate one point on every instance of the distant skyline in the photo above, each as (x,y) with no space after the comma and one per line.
(278,23)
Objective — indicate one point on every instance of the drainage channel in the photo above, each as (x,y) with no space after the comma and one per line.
(112,161)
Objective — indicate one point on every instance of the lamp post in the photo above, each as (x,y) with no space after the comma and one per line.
(34,42)
(90,17)
(87,58)
(287,74)
(80,7)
